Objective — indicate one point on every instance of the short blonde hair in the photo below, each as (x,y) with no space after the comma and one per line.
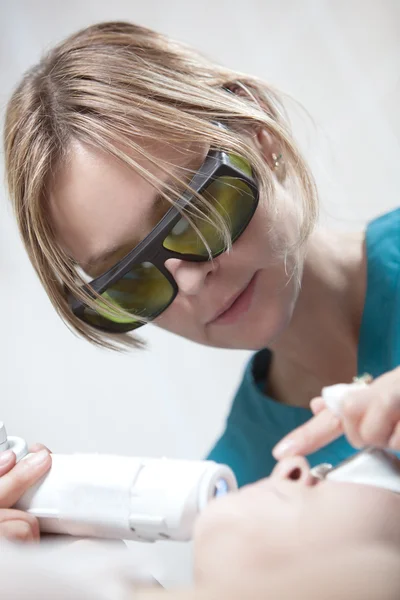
(111,86)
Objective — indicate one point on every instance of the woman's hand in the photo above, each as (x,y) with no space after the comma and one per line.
(15,480)
(369,416)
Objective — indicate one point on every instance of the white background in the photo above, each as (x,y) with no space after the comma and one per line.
(341,60)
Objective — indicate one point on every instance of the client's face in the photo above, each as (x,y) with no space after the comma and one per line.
(291,514)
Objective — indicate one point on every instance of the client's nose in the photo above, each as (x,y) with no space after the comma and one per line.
(293,468)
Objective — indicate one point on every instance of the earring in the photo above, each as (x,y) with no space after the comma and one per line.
(279,167)
(276,160)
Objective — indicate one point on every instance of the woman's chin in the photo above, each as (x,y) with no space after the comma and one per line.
(255,332)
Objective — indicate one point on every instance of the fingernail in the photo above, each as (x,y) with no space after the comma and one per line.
(284,448)
(5,457)
(37,458)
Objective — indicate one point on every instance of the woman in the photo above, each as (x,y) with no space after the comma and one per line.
(119,124)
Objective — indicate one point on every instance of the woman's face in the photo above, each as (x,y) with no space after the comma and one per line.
(291,515)
(243,299)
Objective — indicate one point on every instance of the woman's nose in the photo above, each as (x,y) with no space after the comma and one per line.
(294,468)
(190,276)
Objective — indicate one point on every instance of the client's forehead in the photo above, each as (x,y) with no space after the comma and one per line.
(98,203)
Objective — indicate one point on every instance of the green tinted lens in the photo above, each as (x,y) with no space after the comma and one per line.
(144,291)
(233,199)
(241,163)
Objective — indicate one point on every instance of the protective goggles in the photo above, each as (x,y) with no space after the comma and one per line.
(140,284)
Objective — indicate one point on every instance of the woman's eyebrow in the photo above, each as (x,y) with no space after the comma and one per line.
(188,172)
(102,256)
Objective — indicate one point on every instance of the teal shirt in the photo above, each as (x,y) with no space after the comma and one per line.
(256,422)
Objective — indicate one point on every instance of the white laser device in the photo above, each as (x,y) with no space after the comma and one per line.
(371,466)
(120,497)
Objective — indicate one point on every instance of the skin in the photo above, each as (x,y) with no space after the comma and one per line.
(99,205)
(369,417)
(288,516)
(15,480)
(88,223)
(369,573)
(284,536)
(373,574)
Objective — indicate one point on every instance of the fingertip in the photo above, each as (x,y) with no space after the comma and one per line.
(16,531)
(35,530)
(37,447)
(286,447)
(47,459)
(317,405)
(25,532)
(7,461)
(315,433)
(39,461)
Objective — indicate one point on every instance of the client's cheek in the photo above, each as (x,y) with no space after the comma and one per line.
(218,540)
(379,520)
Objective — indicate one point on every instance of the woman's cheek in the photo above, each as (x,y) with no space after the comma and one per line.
(176,319)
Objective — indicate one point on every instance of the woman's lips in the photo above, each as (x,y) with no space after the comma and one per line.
(236,307)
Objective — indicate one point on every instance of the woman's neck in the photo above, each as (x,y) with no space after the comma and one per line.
(320,346)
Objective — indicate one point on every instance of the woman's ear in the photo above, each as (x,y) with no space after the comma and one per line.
(266,142)
(269,148)
(271,152)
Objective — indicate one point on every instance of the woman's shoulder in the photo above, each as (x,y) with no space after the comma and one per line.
(379,340)
(383,238)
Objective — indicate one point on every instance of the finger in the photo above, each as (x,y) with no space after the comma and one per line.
(382,415)
(354,407)
(37,447)
(7,461)
(16,531)
(394,442)
(29,470)
(10,514)
(317,432)
(317,405)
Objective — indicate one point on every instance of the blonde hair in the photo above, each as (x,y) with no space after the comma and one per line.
(113,86)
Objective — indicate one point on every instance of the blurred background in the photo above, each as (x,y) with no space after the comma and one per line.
(339,60)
